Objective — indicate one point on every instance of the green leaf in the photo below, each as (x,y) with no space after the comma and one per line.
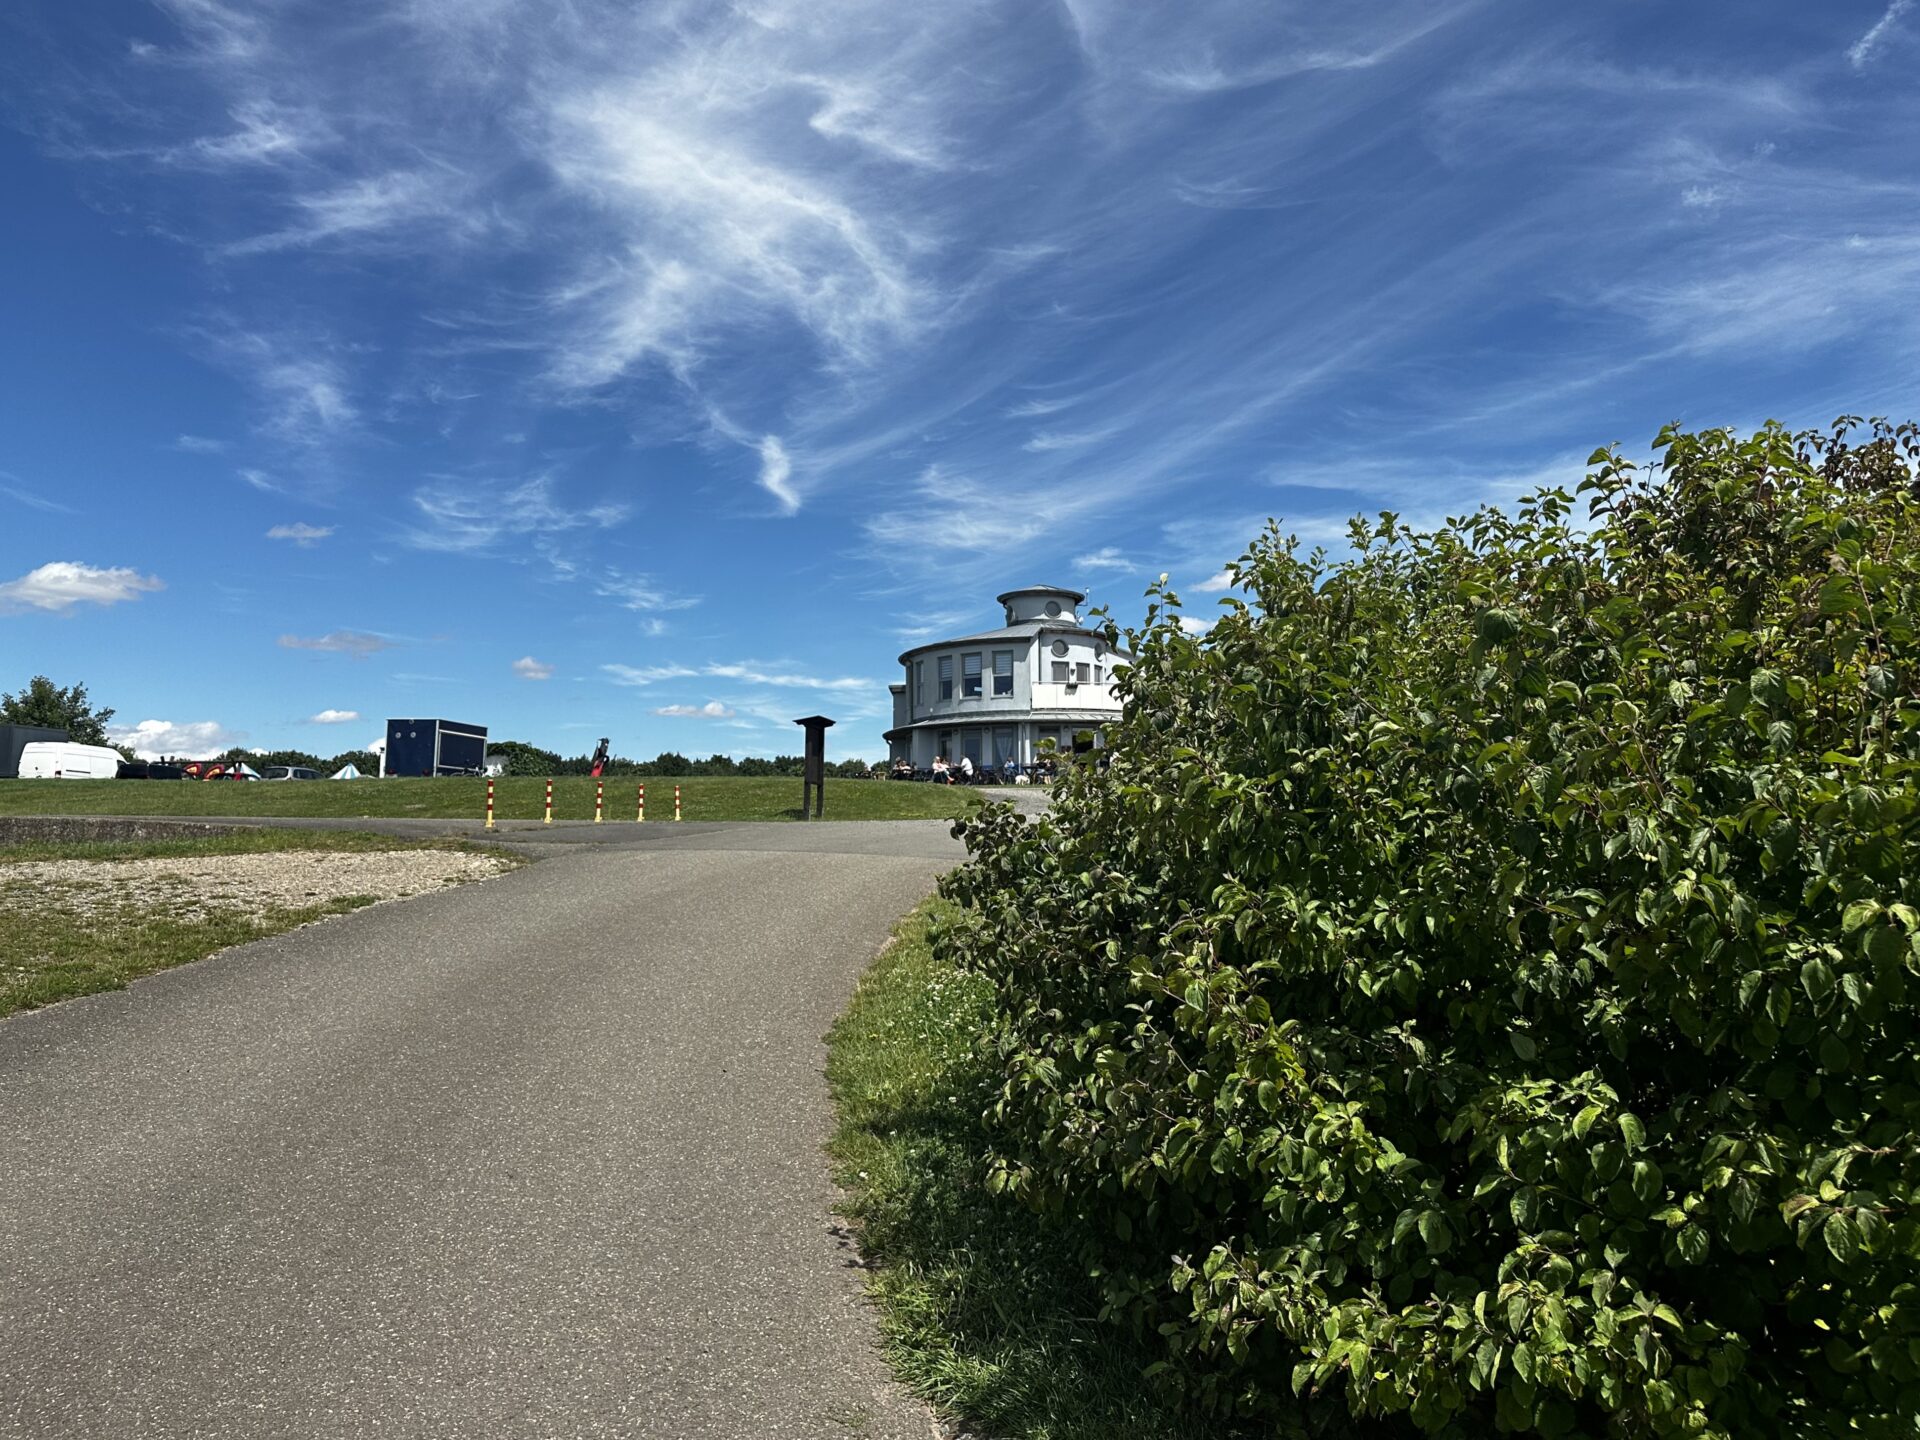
(1816,979)
(1436,1232)
(1843,1240)
(1583,1122)
(1522,1044)
(1631,1130)
(1691,1242)
(1645,1179)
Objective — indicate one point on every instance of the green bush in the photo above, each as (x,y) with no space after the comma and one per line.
(1480,989)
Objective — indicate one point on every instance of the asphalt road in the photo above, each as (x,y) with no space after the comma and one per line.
(539,1157)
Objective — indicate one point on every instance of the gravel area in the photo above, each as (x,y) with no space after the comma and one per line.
(280,880)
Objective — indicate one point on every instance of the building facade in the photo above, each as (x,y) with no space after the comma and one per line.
(998,696)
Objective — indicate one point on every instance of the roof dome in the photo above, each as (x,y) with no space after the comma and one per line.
(1042,602)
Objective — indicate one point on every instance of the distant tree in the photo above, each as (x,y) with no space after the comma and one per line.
(853,769)
(284,757)
(717,765)
(525,759)
(757,765)
(669,762)
(62,708)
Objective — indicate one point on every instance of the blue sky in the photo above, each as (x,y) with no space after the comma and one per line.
(662,370)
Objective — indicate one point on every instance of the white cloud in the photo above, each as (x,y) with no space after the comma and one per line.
(61,584)
(356,643)
(33,501)
(775,469)
(747,672)
(1862,49)
(470,516)
(1048,440)
(1218,581)
(647,674)
(365,206)
(198,445)
(712,710)
(528,668)
(195,740)
(260,480)
(333,717)
(786,679)
(304,535)
(641,592)
(1107,557)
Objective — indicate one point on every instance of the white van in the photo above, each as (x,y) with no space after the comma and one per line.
(64,760)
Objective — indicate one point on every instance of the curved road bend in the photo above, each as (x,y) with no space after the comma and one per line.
(539,1157)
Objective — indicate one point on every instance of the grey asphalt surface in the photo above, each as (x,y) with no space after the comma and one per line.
(537,1157)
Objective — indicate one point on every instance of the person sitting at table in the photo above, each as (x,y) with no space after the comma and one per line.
(941,775)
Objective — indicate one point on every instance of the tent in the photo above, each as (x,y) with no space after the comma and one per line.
(345,772)
(240,770)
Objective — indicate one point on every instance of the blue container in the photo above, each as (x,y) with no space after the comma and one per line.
(435,747)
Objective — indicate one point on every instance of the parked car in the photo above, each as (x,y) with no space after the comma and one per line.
(66,760)
(289,772)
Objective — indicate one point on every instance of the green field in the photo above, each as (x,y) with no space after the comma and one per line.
(516,798)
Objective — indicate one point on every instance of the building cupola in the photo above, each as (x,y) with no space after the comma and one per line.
(1042,602)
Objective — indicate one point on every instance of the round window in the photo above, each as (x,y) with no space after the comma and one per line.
(1053,609)
(1059,647)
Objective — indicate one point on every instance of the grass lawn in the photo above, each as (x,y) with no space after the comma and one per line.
(88,935)
(517,797)
(984,1308)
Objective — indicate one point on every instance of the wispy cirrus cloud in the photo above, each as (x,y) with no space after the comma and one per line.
(1862,50)
(302,534)
(712,710)
(357,643)
(465,515)
(60,585)
(1107,557)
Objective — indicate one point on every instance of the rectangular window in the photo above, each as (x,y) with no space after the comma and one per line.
(946,677)
(1062,672)
(920,681)
(1002,746)
(1085,672)
(970,676)
(1003,672)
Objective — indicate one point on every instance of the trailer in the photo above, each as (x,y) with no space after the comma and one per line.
(15,738)
(435,747)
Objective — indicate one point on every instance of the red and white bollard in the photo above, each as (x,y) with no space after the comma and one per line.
(489,802)
(640,807)
(599,799)
(676,802)
(549,819)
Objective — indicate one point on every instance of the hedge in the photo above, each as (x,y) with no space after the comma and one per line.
(1479,989)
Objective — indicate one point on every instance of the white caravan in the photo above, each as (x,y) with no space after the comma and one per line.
(65,760)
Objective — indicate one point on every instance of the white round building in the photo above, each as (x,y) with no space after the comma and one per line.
(997,697)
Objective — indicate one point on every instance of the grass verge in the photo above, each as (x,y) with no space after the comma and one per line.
(517,797)
(985,1309)
(55,945)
